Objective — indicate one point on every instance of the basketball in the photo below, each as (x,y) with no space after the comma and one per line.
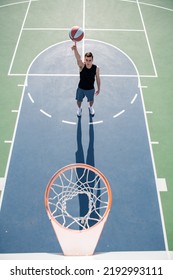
(76,34)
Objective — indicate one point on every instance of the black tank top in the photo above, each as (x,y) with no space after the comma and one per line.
(87,77)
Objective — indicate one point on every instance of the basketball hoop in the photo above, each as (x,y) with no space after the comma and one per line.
(78,199)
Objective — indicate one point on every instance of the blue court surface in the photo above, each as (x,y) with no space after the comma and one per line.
(49,136)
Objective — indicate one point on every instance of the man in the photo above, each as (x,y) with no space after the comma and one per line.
(88,73)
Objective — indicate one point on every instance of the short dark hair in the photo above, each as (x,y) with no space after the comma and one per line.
(89,54)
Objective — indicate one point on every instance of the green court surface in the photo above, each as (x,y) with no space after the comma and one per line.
(141,29)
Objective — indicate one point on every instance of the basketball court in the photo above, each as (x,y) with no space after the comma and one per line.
(48,136)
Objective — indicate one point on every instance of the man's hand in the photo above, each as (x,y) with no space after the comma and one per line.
(73,47)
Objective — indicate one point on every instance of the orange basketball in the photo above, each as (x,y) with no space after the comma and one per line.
(76,34)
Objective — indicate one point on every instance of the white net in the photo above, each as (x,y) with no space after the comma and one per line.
(78,197)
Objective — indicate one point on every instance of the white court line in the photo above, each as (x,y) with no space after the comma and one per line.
(77,75)
(2,183)
(147,4)
(16,3)
(149,112)
(96,122)
(8,141)
(68,122)
(44,75)
(45,113)
(119,75)
(73,75)
(17,44)
(154,142)
(134,98)
(120,113)
(14,111)
(115,29)
(161,185)
(148,43)
(155,172)
(30,97)
(46,29)
(84,29)
(74,123)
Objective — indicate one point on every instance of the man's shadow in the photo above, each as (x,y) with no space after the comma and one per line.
(90,160)
(90,152)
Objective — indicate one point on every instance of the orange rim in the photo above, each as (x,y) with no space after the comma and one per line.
(72,166)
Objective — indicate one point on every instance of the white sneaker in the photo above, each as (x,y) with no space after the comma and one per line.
(79,112)
(91,110)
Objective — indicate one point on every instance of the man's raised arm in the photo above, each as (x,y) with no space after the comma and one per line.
(78,57)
